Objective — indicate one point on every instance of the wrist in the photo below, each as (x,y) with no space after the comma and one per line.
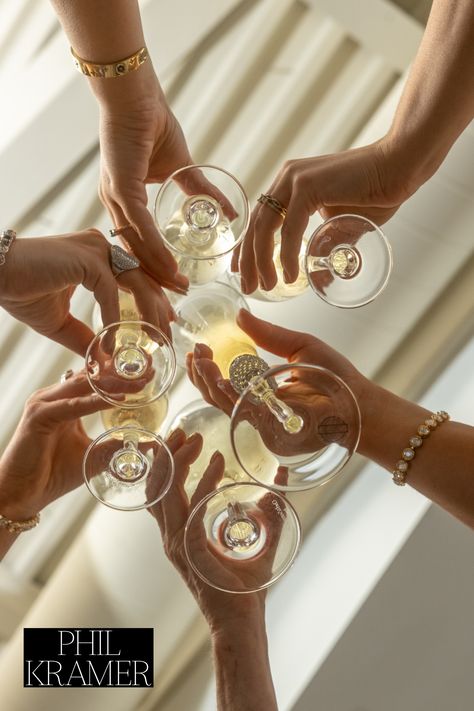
(241,629)
(130,92)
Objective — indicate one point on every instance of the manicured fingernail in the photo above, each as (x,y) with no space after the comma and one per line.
(222,385)
(174,435)
(215,456)
(198,365)
(286,277)
(191,440)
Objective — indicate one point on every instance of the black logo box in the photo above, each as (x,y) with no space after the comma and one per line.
(88,657)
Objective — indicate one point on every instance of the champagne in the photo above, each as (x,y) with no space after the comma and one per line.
(282,291)
(201,238)
(227,342)
(150,417)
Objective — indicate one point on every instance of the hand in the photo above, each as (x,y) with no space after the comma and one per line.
(141,142)
(172,512)
(40,275)
(365,181)
(303,395)
(43,460)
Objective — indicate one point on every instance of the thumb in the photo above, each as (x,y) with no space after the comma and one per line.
(274,339)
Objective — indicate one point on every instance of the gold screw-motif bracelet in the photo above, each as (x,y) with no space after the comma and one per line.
(408,454)
(109,71)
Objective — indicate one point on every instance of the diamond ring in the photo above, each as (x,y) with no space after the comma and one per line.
(122,261)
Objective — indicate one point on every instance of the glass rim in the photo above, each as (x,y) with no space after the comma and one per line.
(253,484)
(170,179)
(139,430)
(167,383)
(271,372)
(385,241)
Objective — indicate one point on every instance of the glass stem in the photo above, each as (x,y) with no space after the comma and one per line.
(291,422)
(318,264)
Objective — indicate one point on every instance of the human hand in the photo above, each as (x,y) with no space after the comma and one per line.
(40,275)
(43,460)
(366,181)
(302,394)
(140,142)
(219,608)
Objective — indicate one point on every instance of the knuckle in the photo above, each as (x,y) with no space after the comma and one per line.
(33,408)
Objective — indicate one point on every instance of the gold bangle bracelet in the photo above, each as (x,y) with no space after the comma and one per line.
(109,71)
(19,526)
(400,472)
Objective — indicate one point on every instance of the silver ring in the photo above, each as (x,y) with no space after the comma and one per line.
(118,230)
(122,261)
(66,375)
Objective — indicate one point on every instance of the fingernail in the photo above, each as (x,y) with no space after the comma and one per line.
(174,435)
(222,385)
(198,365)
(191,440)
(243,286)
(286,276)
(215,456)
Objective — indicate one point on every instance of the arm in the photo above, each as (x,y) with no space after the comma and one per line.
(243,675)
(374,180)
(438,100)
(442,469)
(236,622)
(140,139)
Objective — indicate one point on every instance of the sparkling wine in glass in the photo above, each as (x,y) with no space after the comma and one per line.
(131,365)
(209,316)
(202,213)
(347,261)
(242,538)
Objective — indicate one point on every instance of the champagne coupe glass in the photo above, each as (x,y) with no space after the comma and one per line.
(130,364)
(296,418)
(242,538)
(202,213)
(209,316)
(347,261)
(149,417)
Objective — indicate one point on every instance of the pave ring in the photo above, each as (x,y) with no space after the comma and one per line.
(118,230)
(121,261)
(66,375)
(273,203)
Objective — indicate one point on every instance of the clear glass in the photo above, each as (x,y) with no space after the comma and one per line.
(295,427)
(128,468)
(347,261)
(242,538)
(202,213)
(128,310)
(148,418)
(213,425)
(209,316)
(130,364)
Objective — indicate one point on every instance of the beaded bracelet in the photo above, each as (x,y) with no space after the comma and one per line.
(408,454)
(7,237)
(19,526)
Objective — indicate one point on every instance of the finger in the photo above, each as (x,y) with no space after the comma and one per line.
(292,231)
(74,386)
(197,380)
(194,182)
(175,505)
(274,339)
(72,334)
(234,264)
(105,291)
(174,441)
(215,385)
(147,299)
(71,408)
(247,265)
(147,245)
(210,479)
(266,224)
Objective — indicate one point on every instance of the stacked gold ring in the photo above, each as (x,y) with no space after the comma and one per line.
(273,203)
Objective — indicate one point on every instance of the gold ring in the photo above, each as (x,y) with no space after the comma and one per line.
(272,202)
(118,230)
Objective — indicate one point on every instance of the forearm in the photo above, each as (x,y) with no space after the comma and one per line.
(242,668)
(7,539)
(443,467)
(103,32)
(438,100)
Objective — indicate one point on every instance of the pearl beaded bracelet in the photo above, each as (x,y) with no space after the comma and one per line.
(408,454)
